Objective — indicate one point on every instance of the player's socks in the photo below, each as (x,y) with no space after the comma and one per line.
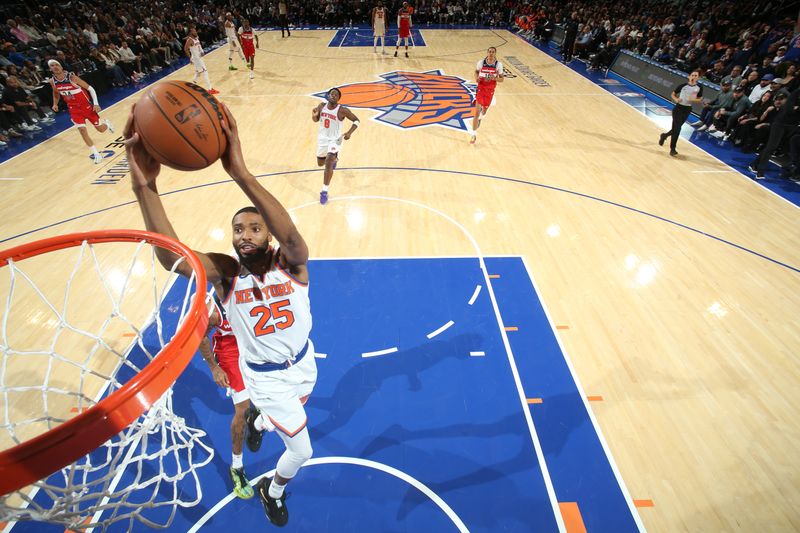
(109,124)
(275,490)
(395,53)
(252,75)
(236,461)
(324,188)
(207,80)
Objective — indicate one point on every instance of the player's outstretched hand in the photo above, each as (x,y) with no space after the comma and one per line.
(144,169)
(232,159)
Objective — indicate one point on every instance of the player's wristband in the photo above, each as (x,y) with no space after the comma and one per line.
(94,95)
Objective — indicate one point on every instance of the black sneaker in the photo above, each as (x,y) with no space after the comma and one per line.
(673,153)
(395,53)
(406,54)
(752,168)
(251,435)
(662,138)
(275,509)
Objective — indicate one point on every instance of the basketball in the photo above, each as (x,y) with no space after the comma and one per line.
(179,124)
(374,94)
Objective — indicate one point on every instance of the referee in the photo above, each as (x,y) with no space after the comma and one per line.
(684,95)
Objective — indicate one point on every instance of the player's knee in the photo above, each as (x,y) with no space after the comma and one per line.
(302,452)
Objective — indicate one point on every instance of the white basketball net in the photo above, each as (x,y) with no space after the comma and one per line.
(56,362)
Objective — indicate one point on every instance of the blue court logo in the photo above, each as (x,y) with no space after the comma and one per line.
(413,99)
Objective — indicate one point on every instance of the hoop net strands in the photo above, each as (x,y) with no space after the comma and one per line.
(89,348)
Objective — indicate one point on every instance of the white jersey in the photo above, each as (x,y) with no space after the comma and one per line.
(330,127)
(195,48)
(270,317)
(230,31)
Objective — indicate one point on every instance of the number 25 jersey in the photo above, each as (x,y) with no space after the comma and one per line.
(270,316)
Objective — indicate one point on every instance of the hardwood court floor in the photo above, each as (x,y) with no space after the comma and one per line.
(680,287)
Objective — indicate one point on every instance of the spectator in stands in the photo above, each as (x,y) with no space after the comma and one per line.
(783,125)
(734,78)
(725,118)
(752,128)
(723,100)
(716,74)
(24,104)
(755,93)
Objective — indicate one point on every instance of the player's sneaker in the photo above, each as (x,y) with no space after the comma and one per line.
(472,139)
(662,138)
(395,53)
(323,197)
(109,124)
(97,158)
(275,508)
(252,75)
(241,486)
(231,67)
(213,91)
(251,435)
(406,54)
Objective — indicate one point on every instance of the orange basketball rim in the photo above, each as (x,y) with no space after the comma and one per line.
(40,456)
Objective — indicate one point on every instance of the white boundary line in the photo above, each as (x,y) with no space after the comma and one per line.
(435,498)
(524,404)
(432,334)
(380,352)
(343,38)
(475,295)
(477,354)
(582,393)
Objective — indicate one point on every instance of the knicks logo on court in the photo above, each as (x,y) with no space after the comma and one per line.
(413,99)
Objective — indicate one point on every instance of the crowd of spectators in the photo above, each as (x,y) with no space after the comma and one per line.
(750,49)
(748,44)
(110,44)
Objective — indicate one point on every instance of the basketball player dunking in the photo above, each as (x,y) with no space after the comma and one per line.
(223,360)
(194,51)
(76,93)
(247,36)
(403,27)
(330,116)
(380,24)
(264,292)
(233,41)
(488,72)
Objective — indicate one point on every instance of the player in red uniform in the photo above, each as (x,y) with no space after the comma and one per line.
(247,37)
(224,365)
(488,72)
(403,27)
(81,102)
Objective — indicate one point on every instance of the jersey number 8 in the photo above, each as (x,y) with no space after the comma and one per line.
(276,311)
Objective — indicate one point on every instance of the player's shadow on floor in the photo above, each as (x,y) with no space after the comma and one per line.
(365,378)
(450,472)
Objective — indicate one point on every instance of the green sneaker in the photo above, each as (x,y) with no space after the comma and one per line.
(241,485)
(231,67)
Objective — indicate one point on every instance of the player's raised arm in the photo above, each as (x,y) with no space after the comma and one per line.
(277,219)
(144,170)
